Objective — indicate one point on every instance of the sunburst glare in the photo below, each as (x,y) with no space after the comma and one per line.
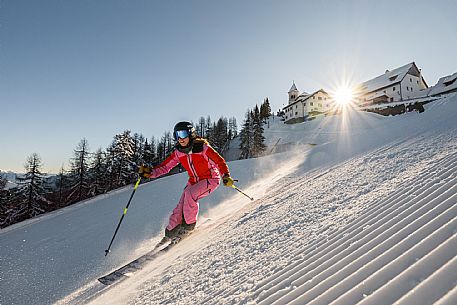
(344,95)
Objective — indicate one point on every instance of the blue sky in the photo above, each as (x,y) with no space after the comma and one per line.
(75,69)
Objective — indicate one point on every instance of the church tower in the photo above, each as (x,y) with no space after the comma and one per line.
(293,93)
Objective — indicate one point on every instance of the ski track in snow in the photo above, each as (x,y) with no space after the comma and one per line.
(327,236)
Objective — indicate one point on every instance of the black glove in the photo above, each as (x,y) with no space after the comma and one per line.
(227,180)
(144,171)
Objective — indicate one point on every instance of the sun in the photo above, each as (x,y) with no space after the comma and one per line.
(344,95)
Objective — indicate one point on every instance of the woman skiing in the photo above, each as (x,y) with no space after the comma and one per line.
(205,168)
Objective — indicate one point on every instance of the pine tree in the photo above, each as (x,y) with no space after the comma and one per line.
(4,203)
(219,135)
(149,152)
(9,200)
(161,153)
(138,149)
(201,127)
(246,136)
(63,186)
(31,190)
(233,128)
(98,174)
(265,109)
(154,151)
(123,146)
(165,146)
(169,146)
(2,181)
(79,172)
(111,166)
(258,139)
(208,128)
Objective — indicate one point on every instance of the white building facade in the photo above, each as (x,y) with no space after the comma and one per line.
(303,106)
(445,85)
(400,84)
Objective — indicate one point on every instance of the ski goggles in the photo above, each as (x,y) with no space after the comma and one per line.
(181,134)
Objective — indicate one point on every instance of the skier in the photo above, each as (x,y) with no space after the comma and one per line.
(205,168)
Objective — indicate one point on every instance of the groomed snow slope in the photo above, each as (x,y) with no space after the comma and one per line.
(368,216)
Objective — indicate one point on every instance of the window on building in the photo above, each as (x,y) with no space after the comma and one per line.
(410,80)
(407,88)
(296,106)
(417,82)
(304,105)
(391,99)
(296,113)
(320,105)
(319,98)
(393,89)
(312,104)
(314,97)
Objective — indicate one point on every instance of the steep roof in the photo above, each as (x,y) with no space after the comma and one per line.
(304,96)
(390,78)
(445,84)
(310,95)
(293,88)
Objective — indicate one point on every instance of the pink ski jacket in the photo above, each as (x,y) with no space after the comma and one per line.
(202,162)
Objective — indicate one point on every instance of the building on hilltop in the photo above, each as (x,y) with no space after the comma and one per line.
(302,106)
(445,85)
(400,84)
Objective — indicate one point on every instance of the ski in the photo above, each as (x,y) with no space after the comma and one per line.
(127,270)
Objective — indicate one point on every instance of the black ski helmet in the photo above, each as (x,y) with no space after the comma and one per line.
(187,126)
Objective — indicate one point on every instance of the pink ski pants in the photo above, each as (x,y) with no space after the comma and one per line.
(188,204)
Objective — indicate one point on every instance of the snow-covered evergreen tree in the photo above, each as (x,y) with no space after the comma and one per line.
(232,128)
(149,152)
(98,174)
(201,127)
(161,152)
(265,109)
(79,179)
(63,186)
(165,146)
(208,128)
(138,149)
(219,135)
(31,190)
(246,136)
(111,167)
(2,181)
(258,146)
(8,206)
(4,206)
(169,146)
(125,168)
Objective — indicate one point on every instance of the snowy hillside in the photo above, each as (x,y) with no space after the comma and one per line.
(366,216)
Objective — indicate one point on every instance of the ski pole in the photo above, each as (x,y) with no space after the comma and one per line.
(123,215)
(233,186)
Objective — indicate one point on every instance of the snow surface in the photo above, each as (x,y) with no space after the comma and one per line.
(367,215)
